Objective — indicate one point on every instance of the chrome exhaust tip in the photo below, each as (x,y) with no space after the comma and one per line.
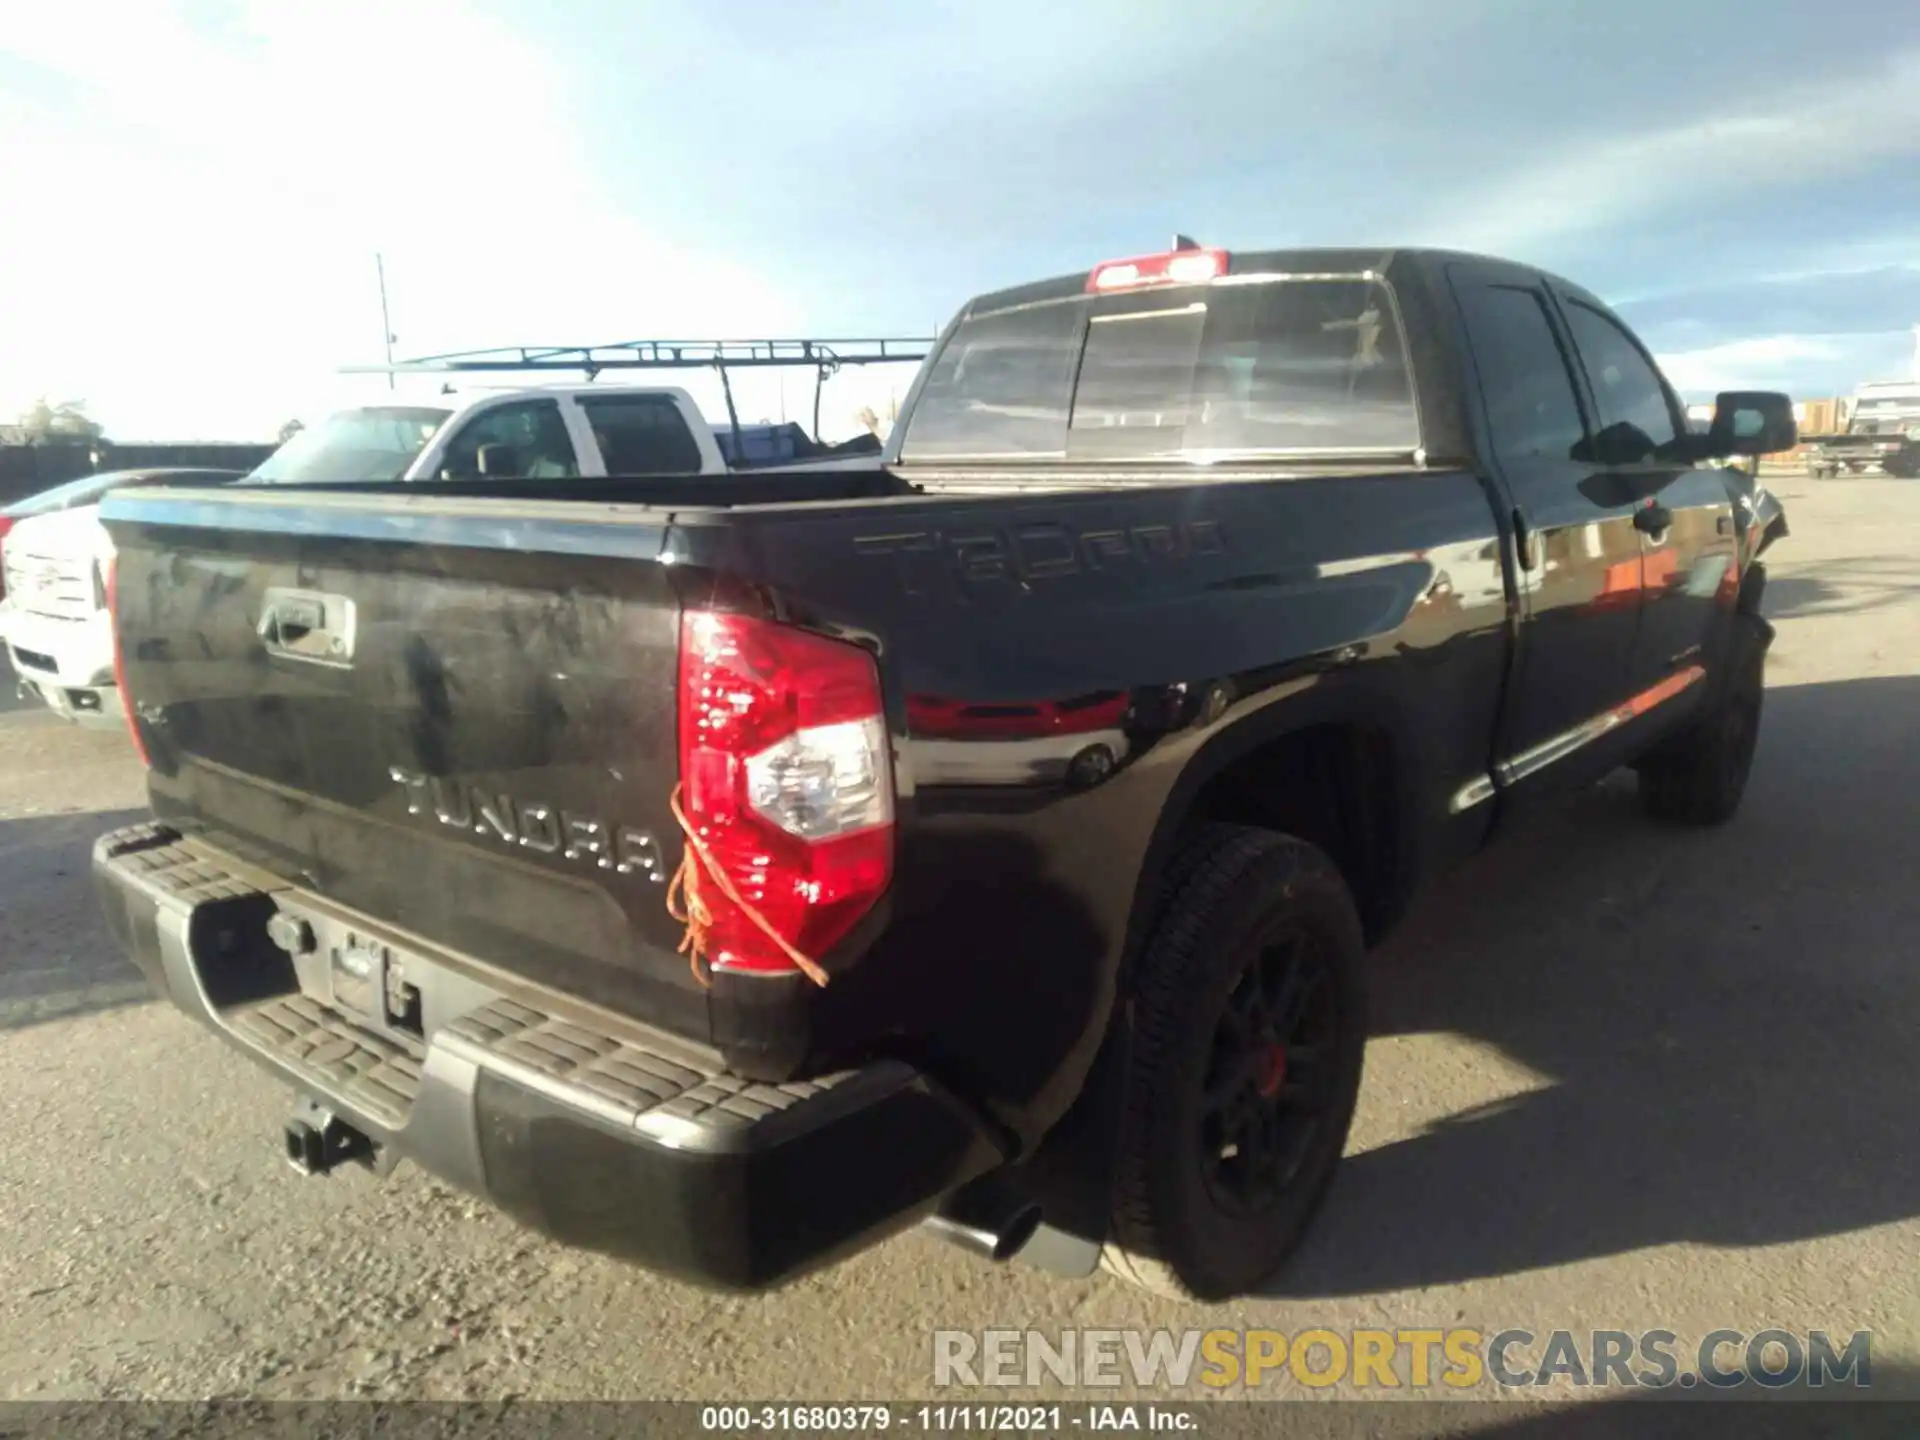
(988,1218)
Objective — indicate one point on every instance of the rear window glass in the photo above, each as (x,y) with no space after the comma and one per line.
(1281,366)
(642,435)
(1000,386)
(1136,379)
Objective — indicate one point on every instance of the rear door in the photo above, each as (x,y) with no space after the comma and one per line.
(1685,514)
(641,434)
(1580,562)
(532,433)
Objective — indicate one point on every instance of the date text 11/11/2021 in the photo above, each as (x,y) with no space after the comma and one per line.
(990,1419)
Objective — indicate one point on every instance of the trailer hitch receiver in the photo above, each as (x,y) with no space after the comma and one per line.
(319,1142)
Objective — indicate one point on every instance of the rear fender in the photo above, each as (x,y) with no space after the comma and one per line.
(1071,1172)
(1329,698)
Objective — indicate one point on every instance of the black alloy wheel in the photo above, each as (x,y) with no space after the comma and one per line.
(1269,1080)
(1248,1013)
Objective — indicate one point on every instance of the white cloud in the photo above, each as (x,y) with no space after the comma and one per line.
(198,252)
(1793,135)
(1744,362)
(1788,362)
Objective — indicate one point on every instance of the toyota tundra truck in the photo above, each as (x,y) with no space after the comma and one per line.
(725,872)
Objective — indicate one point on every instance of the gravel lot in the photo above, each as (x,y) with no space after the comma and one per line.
(1623,1078)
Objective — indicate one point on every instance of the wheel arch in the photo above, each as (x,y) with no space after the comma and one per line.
(1072,1169)
(1358,742)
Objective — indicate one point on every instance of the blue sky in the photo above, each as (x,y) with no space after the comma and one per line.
(212,177)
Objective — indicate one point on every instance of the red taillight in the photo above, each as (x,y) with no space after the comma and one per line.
(6,524)
(786,776)
(112,568)
(1176,267)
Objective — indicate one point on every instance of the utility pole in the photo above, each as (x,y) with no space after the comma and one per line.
(386,324)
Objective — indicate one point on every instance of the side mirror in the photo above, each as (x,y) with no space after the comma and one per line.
(497,462)
(1620,443)
(1751,422)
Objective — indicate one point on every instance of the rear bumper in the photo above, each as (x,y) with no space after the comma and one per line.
(1864,453)
(94,706)
(75,653)
(580,1125)
(67,664)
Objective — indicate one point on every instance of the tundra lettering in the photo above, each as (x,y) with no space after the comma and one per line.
(536,826)
(1045,551)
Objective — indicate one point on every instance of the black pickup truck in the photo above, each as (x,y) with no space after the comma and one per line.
(726,872)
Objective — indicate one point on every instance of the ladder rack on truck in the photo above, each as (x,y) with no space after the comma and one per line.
(825,357)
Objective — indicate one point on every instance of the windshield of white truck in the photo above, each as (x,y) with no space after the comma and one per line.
(364,446)
(1280,366)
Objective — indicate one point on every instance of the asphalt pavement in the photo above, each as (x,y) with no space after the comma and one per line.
(1623,1077)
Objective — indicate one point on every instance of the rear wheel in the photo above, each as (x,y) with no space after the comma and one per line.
(1700,776)
(1249,1033)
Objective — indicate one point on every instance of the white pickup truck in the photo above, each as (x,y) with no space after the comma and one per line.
(54,555)
(549,431)
(1884,431)
(54,615)
(544,432)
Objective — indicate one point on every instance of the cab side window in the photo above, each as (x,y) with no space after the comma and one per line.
(532,435)
(642,435)
(1531,409)
(1636,420)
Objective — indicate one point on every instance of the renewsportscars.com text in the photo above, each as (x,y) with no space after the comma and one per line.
(1449,1359)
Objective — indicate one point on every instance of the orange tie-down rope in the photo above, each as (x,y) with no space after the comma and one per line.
(687,904)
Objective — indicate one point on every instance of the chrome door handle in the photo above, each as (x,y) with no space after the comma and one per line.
(309,626)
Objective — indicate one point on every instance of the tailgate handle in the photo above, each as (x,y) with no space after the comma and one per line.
(309,626)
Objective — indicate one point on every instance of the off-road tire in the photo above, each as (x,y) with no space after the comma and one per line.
(1240,892)
(1700,776)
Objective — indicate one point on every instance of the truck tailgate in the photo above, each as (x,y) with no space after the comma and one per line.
(454,716)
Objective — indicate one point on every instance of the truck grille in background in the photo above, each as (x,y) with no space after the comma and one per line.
(53,585)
